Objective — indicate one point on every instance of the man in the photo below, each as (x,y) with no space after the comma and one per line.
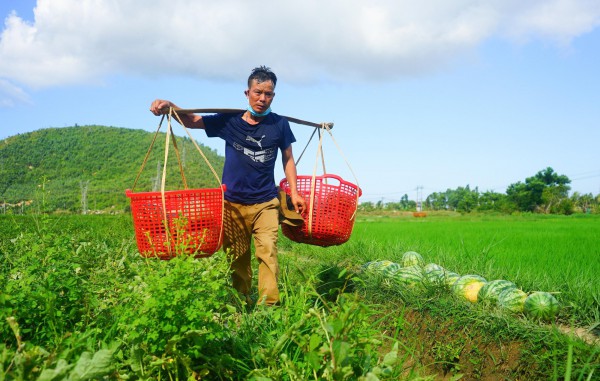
(252,139)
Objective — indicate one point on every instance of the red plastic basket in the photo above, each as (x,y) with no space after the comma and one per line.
(194,222)
(334,208)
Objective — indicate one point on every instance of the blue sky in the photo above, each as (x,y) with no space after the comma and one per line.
(436,95)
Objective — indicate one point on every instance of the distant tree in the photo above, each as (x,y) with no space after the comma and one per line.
(462,199)
(490,200)
(392,206)
(366,206)
(555,200)
(408,204)
(529,196)
(436,201)
(404,202)
(584,202)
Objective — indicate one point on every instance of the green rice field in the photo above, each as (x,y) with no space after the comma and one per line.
(558,254)
(537,252)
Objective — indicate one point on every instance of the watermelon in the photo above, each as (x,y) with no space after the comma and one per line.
(369,267)
(432,267)
(489,292)
(541,305)
(366,266)
(411,258)
(512,299)
(409,276)
(434,273)
(450,278)
(389,270)
(467,287)
(377,266)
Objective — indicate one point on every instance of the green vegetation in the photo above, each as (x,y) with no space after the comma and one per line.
(89,167)
(536,252)
(546,192)
(57,169)
(78,302)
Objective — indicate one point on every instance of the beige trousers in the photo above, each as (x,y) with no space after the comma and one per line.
(241,224)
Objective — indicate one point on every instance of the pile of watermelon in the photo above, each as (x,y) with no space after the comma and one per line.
(412,272)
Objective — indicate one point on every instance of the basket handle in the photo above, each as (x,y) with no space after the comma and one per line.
(359,193)
(314,175)
(148,152)
(173,111)
(169,132)
(176,113)
(341,181)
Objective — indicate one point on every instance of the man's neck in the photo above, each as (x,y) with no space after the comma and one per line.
(251,119)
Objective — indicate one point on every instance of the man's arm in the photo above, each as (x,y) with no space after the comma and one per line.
(289,168)
(160,107)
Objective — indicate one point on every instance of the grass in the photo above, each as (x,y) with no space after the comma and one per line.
(548,253)
(76,296)
(538,253)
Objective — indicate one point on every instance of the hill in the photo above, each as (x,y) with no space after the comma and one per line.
(58,168)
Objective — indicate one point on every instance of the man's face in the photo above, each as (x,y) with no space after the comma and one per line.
(260,95)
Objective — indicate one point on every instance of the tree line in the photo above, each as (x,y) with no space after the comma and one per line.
(545,192)
(71,169)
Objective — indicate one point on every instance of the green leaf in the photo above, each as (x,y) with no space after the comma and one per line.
(58,373)
(341,350)
(88,367)
(314,360)
(392,356)
(315,341)
(369,377)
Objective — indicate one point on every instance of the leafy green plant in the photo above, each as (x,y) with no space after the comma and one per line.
(317,339)
(173,316)
(77,301)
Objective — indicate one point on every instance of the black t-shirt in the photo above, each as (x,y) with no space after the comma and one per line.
(250,154)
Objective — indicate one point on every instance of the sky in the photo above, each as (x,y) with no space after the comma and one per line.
(424,96)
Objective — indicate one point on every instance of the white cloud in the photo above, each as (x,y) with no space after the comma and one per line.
(10,94)
(80,41)
(557,20)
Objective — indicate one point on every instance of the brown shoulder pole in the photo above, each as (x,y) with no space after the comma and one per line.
(235,110)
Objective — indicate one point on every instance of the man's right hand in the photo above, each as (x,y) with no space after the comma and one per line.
(160,107)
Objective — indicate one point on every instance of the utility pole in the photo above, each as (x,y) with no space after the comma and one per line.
(419,197)
(84,188)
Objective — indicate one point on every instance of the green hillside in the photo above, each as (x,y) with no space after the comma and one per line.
(52,169)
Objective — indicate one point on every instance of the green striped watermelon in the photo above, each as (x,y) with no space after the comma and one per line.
(434,274)
(450,278)
(541,305)
(389,270)
(512,299)
(432,267)
(377,266)
(489,292)
(467,287)
(366,266)
(411,258)
(409,276)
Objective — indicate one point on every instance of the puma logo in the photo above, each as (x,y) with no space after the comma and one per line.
(258,142)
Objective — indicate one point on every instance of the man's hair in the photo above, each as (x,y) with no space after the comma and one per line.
(262,74)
